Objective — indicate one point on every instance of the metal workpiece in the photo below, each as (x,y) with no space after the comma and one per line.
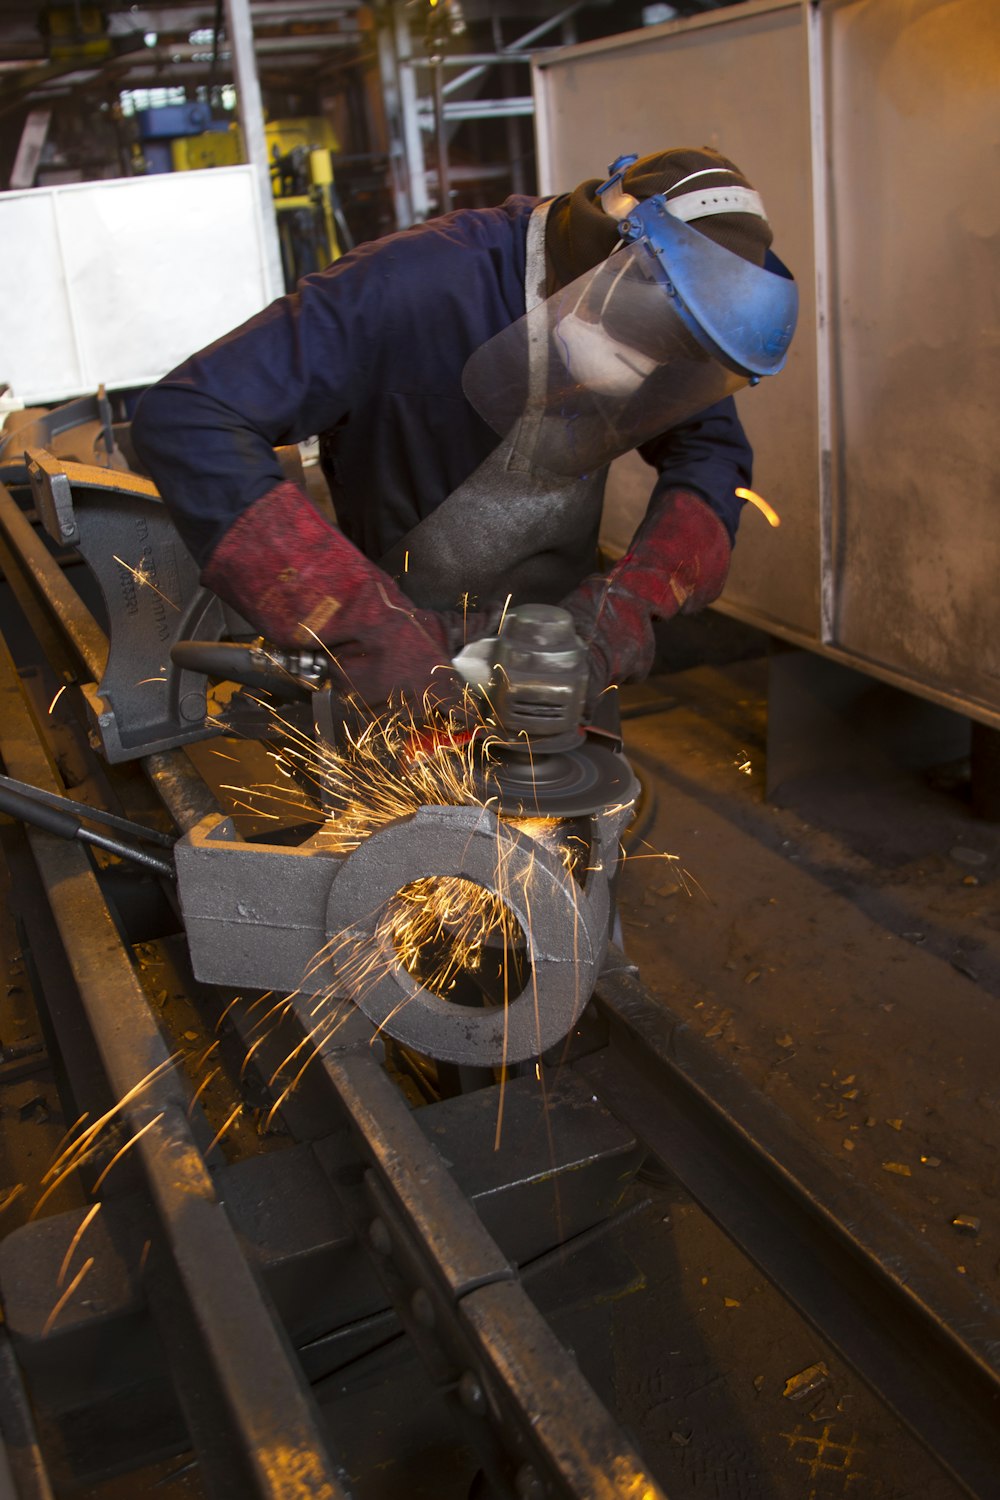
(143,702)
(295,918)
(564,940)
(254,914)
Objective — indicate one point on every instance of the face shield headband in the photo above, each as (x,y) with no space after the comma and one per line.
(669,324)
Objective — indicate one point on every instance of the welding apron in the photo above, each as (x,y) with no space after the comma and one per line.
(509,528)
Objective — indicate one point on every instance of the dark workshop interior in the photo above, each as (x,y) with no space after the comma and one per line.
(572,1073)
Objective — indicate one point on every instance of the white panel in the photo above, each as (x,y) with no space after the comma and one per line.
(38,349)
(115,282)
(736,81)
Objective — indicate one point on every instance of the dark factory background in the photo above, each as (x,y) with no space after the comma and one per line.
(683,1179)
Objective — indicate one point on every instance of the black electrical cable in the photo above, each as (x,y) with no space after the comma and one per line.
(65,824)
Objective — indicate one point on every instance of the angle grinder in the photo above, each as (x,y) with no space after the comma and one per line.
(538,758)
(542,761)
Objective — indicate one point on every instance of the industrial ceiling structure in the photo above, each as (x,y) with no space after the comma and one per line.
(437,83)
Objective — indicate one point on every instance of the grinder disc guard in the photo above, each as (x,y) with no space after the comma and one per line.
(571,777)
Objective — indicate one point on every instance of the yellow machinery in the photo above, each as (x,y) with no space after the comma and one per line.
(212,148)
(310,224)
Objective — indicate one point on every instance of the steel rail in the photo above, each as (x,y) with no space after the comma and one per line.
(926,1342)
(249,1412)
(78,624)
(526,1410)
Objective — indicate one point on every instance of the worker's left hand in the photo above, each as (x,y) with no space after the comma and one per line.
(677,563)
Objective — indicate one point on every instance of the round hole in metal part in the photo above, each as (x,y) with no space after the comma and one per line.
(458,940)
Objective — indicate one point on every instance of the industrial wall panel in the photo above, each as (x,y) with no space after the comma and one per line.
(114,282)
(914,94)
(737,82)
(872,129)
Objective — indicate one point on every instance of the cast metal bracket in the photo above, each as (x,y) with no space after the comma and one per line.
(144,702)
(293,920)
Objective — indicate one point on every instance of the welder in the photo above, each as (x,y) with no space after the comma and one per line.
(470,379)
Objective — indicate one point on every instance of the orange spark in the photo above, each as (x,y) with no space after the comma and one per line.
(67,1294)
(767,511)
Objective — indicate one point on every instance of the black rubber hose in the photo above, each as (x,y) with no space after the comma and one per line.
(66,825)
(229,661)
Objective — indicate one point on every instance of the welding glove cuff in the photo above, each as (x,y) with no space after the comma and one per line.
(676,563)
(300,582)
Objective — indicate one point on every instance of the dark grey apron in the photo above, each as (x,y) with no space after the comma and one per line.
(509,528)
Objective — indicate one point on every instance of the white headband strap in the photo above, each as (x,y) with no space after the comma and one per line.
(726,200)
(698,204)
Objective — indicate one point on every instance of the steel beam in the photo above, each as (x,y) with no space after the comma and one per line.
(247,1407)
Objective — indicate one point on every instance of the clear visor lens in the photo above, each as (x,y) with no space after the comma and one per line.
(598,368)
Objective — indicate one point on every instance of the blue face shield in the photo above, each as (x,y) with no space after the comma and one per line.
(669,324)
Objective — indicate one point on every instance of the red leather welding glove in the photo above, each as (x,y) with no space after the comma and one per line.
(677,563)
(299,581)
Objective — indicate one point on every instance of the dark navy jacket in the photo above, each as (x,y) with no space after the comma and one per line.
(368,354)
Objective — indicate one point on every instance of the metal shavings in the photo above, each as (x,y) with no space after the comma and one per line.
(965,1224)
(36,1109)
(811,1379)
(896,1124)
(965,856)
(900,1168)
(930,1161)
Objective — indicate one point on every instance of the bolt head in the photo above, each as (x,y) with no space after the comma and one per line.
(528,1485)
(471,1394)
(422,1308)
(379,1237)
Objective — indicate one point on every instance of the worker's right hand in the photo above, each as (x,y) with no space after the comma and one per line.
(299,581)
